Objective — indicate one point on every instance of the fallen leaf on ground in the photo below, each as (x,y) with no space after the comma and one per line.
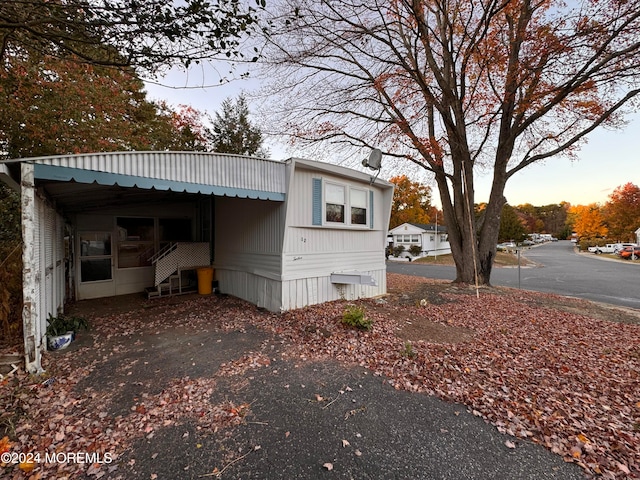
(568,378)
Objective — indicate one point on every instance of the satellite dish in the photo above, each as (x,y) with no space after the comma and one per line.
(374,161)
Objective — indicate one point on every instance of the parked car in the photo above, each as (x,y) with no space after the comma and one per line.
(621,246)
(506,246)
(608,248)
(630,253)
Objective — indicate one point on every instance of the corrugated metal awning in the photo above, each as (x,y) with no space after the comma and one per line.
(67,174)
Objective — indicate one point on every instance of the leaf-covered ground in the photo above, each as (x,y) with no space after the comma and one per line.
(554,371)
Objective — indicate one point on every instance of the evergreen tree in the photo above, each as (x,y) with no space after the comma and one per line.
(233,132)
(511,226)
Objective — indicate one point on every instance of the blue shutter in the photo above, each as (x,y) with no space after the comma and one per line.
(316,218)
(370,208)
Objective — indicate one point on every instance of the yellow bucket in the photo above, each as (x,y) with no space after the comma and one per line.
(205,280)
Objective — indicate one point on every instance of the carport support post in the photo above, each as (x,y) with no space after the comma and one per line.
(30,272)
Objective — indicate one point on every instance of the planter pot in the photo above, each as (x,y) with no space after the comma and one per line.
(60,341)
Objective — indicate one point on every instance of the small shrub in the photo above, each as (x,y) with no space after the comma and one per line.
(397,250)
(415,250)
(354,316)
(585,243)
(62,324)
(408,350)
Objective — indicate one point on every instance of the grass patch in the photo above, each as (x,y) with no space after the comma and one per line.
(439,260)
(503,259)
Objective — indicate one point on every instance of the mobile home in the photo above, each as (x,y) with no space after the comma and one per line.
(281,235)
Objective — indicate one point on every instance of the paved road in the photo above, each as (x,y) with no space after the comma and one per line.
(561,270)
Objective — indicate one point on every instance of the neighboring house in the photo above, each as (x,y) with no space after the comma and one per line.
(281,235)
(431,238)
(637,232)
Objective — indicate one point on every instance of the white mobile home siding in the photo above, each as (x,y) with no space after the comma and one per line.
(248,243)
(268,246)
(312,253)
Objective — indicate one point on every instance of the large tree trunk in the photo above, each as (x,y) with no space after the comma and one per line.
(460,227)
(473,243)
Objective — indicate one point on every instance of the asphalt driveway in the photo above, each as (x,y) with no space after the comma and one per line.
(371,431)
(302,419)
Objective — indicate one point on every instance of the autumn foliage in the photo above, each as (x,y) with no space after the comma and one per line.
(51,106)
(622,212)
(588,221)
(411,202)
(616,221)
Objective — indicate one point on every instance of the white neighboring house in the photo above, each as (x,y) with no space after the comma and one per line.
(637,232)
(431,238)
(281,235)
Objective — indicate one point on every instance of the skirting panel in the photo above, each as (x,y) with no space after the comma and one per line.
(261,291)
(310,291)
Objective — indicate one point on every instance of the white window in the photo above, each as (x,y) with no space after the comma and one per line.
(358,207)
(334,203)
(136,241)
(415,238)
(341,204)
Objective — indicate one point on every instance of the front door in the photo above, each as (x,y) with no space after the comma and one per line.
(95,266)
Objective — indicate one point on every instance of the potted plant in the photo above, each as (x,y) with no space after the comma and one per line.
(61,330)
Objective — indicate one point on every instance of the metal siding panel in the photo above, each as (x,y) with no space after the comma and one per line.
(48,240)
(260,291)
(312,289)
(319,251)
(249,226)
(202,168)
(300,292)
(38,261)
(60,263)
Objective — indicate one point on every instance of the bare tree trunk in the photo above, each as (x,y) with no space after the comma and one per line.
(462,230)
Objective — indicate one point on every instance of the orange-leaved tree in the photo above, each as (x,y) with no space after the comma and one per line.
(411,202)
(588,221)
(622,212)
(456,88)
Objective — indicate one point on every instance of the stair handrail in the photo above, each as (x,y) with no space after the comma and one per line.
(164,252)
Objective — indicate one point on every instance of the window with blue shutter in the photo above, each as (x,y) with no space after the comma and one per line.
(341,204)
